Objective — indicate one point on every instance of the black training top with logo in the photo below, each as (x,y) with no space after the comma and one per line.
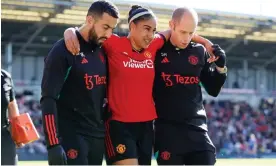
(74,91)
(179,74)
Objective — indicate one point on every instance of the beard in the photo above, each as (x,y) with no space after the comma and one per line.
(94,38)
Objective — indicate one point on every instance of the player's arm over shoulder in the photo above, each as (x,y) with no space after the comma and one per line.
(158,41)
(201,52)
(211,79)
(165,34)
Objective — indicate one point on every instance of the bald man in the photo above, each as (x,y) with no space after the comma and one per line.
(181,67)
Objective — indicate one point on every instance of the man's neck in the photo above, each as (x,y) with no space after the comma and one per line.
(174,45)
(172,42)
(84,31)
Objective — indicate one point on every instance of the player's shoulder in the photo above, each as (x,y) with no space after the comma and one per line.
(157,40)
(59,45)
(59,49)
(114,39)
(197,47)
(158,35)
(5,74)
(115,35)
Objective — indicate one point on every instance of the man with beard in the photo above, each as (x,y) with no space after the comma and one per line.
(74,92)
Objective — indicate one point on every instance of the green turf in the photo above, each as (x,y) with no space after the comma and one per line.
(220,162)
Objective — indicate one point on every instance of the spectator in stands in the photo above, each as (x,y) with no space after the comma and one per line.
(236,85)
(248,131)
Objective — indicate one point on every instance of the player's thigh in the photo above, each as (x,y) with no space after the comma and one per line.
(167,148)
(145,143)
(120,144)
(76,149)
(96,151)
(132,161)
(168,158)
(165,154)
(198,141)
(8,149)
(200,158)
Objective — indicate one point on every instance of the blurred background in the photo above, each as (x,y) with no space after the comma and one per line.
(242,119)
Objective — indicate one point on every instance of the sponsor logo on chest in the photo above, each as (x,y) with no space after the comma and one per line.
(148,63)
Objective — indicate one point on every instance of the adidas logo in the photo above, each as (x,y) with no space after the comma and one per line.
(101,57)
(165,60)
(84,60)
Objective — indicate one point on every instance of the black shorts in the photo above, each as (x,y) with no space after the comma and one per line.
(129,140)
(8,148)
(180,144)
(82,150)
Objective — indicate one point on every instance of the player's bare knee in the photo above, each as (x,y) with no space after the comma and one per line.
(127,162)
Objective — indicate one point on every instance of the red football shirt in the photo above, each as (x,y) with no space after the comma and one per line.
(131,77)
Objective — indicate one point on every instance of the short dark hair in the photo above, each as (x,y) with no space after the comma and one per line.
(136,9)
(98,8)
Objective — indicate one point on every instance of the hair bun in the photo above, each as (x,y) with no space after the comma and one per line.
(133,8)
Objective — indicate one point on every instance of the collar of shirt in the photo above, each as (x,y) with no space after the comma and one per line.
(172,47)
(84,45)
(133,50)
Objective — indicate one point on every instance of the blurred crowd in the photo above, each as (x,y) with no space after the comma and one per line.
(234,127)
(238,129)
(28,103)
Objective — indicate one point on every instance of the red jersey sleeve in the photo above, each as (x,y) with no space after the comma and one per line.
(158,41)
(110,43)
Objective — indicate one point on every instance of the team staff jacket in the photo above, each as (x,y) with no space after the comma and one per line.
(131,76)
(179,74)
(73,91)
(7,96)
